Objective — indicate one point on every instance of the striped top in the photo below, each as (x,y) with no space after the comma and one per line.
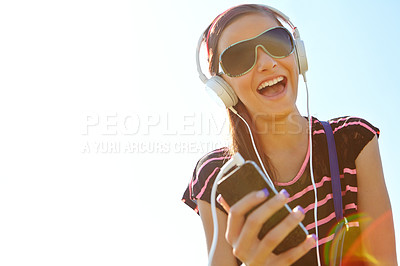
(351,135)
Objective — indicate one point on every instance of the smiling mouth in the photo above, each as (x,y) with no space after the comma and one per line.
(272,87)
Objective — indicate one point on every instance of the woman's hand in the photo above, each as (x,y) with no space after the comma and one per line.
(242,232)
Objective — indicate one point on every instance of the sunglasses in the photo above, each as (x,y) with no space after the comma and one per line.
(239,58)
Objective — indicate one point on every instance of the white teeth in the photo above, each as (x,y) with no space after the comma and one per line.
(270,82)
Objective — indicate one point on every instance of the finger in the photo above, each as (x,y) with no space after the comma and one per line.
(272,239)
(255,221)
(223,203)
(292,255)
(237,212)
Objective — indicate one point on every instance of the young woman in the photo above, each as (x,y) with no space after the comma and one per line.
(267,88)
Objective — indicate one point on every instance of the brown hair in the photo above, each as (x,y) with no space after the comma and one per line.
(240,136)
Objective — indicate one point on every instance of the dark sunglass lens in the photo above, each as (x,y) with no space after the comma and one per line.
(278,42)
(238,58)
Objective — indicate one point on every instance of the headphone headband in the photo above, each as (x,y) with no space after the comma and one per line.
(212,26)
(275,11)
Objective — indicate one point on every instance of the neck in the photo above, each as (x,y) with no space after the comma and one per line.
(283,132)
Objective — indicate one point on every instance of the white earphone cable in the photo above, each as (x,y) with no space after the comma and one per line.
(311,164)
(222,171)
(312,172)
(238,160)
(254,144)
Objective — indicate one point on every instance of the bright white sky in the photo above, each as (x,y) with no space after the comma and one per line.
(104,118)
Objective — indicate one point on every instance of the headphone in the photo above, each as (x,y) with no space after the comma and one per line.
(222,89)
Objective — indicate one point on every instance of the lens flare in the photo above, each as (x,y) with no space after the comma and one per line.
(348,241)
(353,251)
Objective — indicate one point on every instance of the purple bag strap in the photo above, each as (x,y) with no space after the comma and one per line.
(334,167)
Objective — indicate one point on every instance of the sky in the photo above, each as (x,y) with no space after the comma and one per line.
(104,118)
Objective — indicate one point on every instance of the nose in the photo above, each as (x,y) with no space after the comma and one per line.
(264,61)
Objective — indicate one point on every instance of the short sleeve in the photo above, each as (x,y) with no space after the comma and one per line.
(358,131)
(204,174)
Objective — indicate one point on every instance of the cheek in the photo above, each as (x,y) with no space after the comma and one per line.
(241,86)
(290,63)
(238,84)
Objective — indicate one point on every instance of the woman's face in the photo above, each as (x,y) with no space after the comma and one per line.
(271,100)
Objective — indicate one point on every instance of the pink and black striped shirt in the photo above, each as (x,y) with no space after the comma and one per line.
(351,135)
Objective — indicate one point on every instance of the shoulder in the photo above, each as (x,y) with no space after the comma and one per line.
(204,174)
(352,134)
(210,161)
(347,125)
(353,124)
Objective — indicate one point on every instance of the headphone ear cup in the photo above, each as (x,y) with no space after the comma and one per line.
(301,56)
(223,90)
